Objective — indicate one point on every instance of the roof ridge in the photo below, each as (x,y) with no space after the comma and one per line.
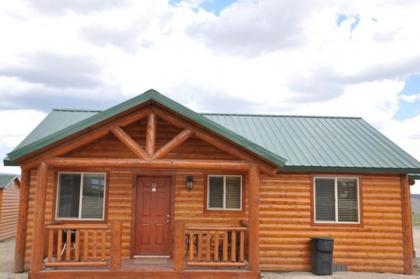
(281,115)
(232,114)
(75,110)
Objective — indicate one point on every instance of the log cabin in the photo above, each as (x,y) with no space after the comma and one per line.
(149,188)
(9,205)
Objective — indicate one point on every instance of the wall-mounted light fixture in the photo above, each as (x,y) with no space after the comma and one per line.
(189,182)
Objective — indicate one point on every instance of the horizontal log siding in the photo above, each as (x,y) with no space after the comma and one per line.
(120,206)
(285,226)
(190,207)
(9,210)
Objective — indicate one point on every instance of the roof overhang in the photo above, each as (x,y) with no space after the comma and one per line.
(319,169)
(415,176)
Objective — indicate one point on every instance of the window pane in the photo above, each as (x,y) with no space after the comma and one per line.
(325,199)
(93,196)
(216,192)
(347,200)
(69,196)
(233,192)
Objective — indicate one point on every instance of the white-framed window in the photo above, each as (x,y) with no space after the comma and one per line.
(336,200)
(80,196)
(224,192)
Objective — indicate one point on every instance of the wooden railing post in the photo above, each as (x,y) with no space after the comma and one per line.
(253,218)
(116,245)
(22,220)
(179,246)
(39,208)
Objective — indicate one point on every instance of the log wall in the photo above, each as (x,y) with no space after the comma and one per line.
(286,228)
(9,209)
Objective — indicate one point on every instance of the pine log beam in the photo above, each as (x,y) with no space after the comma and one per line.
(39,215)
(81,139)
(116,235)
(151,134)
(173,143)
(22,221)
(407,225)
(229,148)
(179,246)
(103,163)
(253,218)
(130,143)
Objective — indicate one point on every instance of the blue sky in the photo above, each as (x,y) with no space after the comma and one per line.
(410,109)
(213,6)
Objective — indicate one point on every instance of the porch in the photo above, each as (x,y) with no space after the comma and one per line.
(93,251)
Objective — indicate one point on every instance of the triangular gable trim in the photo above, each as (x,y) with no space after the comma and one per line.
(150,95)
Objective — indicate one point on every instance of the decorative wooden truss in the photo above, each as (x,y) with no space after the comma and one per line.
(149,157)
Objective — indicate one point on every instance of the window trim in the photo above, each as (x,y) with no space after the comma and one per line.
(224,193)
(336,222)
(57,202)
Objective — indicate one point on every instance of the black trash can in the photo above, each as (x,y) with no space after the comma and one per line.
(322,255)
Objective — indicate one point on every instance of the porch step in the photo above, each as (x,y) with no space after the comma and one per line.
(151,259)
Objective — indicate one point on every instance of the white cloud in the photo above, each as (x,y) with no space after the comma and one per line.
(264,56)
(411,98)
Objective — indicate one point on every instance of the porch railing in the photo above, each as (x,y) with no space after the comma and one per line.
(77,245)
(215,246)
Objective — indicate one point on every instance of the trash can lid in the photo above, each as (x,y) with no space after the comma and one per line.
(322,238)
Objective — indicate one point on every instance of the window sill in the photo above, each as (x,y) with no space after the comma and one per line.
(235,212)
(79,221)
(335,224)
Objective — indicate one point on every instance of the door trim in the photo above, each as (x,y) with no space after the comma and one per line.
(161,173)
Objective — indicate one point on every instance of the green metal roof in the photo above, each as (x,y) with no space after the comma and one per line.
(37,141)
(309,143)
(5,179)
(316,143)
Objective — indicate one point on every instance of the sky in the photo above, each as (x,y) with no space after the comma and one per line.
(310,57)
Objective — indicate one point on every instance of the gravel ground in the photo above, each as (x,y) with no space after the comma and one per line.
(7,251)
(336,275)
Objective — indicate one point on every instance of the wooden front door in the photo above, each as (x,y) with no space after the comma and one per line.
(153,203)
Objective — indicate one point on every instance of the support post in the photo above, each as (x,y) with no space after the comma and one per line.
(253,218)
(116,245)
(407,225)
(39,215)
(179,247)
(22,221)
(151,134)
